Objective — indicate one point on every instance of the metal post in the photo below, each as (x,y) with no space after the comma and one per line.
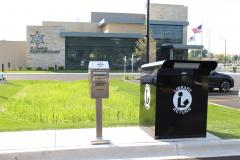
(2,67)
(99,118)
(201,55)
(99,139)
(132,63)
(225,57)
(125,60)
(9,65)
(171,54)
(148,43)
(201,42)
(209,44)
(55,67)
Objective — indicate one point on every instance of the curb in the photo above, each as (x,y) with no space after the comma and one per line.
(193,149)
(211,148)
(94,152)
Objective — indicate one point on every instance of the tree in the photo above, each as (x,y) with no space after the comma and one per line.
(220,57)
(211,55)
(140,49)
(236,58)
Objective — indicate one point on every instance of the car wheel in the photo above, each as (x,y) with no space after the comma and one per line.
(224,86)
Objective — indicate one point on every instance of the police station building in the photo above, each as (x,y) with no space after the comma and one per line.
(109,36)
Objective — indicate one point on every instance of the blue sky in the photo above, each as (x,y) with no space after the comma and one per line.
(218,16)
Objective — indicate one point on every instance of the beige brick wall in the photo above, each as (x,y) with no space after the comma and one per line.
(52,41)
(124,28)
(74,26)
(168,12)
(13,52)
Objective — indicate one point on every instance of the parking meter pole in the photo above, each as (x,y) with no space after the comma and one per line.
(99,118)
(99,140)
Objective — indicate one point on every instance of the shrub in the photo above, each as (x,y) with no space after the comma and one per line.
(130,77)
(29,68)
(61,68)
(51,68)
(39,69)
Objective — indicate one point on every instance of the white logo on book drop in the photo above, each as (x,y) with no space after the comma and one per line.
(147,96)
(182,100)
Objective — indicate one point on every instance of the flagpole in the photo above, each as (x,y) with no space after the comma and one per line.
(209,43)
(194,44)
(201,41)
(201,35)
(194,38)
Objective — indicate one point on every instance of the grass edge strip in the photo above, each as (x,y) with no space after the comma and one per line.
(224,106)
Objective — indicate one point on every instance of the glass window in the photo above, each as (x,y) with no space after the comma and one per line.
(167,33)
(79,51)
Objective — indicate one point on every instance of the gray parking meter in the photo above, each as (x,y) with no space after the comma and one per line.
(99,75)
(99,88)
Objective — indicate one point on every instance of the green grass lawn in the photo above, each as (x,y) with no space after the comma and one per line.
(47,71)
(224,122)
(32,105)
(27,105)
(60,71)
(27,71)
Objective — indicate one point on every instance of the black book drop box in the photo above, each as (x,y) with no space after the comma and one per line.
(174,98)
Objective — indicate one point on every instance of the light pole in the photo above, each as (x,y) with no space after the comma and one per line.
(148,14)
(225,56)
(225,51)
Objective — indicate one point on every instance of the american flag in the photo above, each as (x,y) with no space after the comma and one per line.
(197,30)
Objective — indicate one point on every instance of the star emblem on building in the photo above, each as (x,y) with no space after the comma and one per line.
(37,38)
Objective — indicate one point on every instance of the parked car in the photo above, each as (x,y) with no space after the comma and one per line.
(219,80)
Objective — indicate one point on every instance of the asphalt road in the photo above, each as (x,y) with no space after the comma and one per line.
(230,99)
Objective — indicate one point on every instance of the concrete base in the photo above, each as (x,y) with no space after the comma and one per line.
(126,143)
(100,141)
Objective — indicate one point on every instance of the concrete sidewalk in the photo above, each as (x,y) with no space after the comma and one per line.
(126,143)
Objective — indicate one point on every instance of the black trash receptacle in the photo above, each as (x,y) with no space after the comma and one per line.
(174,98)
